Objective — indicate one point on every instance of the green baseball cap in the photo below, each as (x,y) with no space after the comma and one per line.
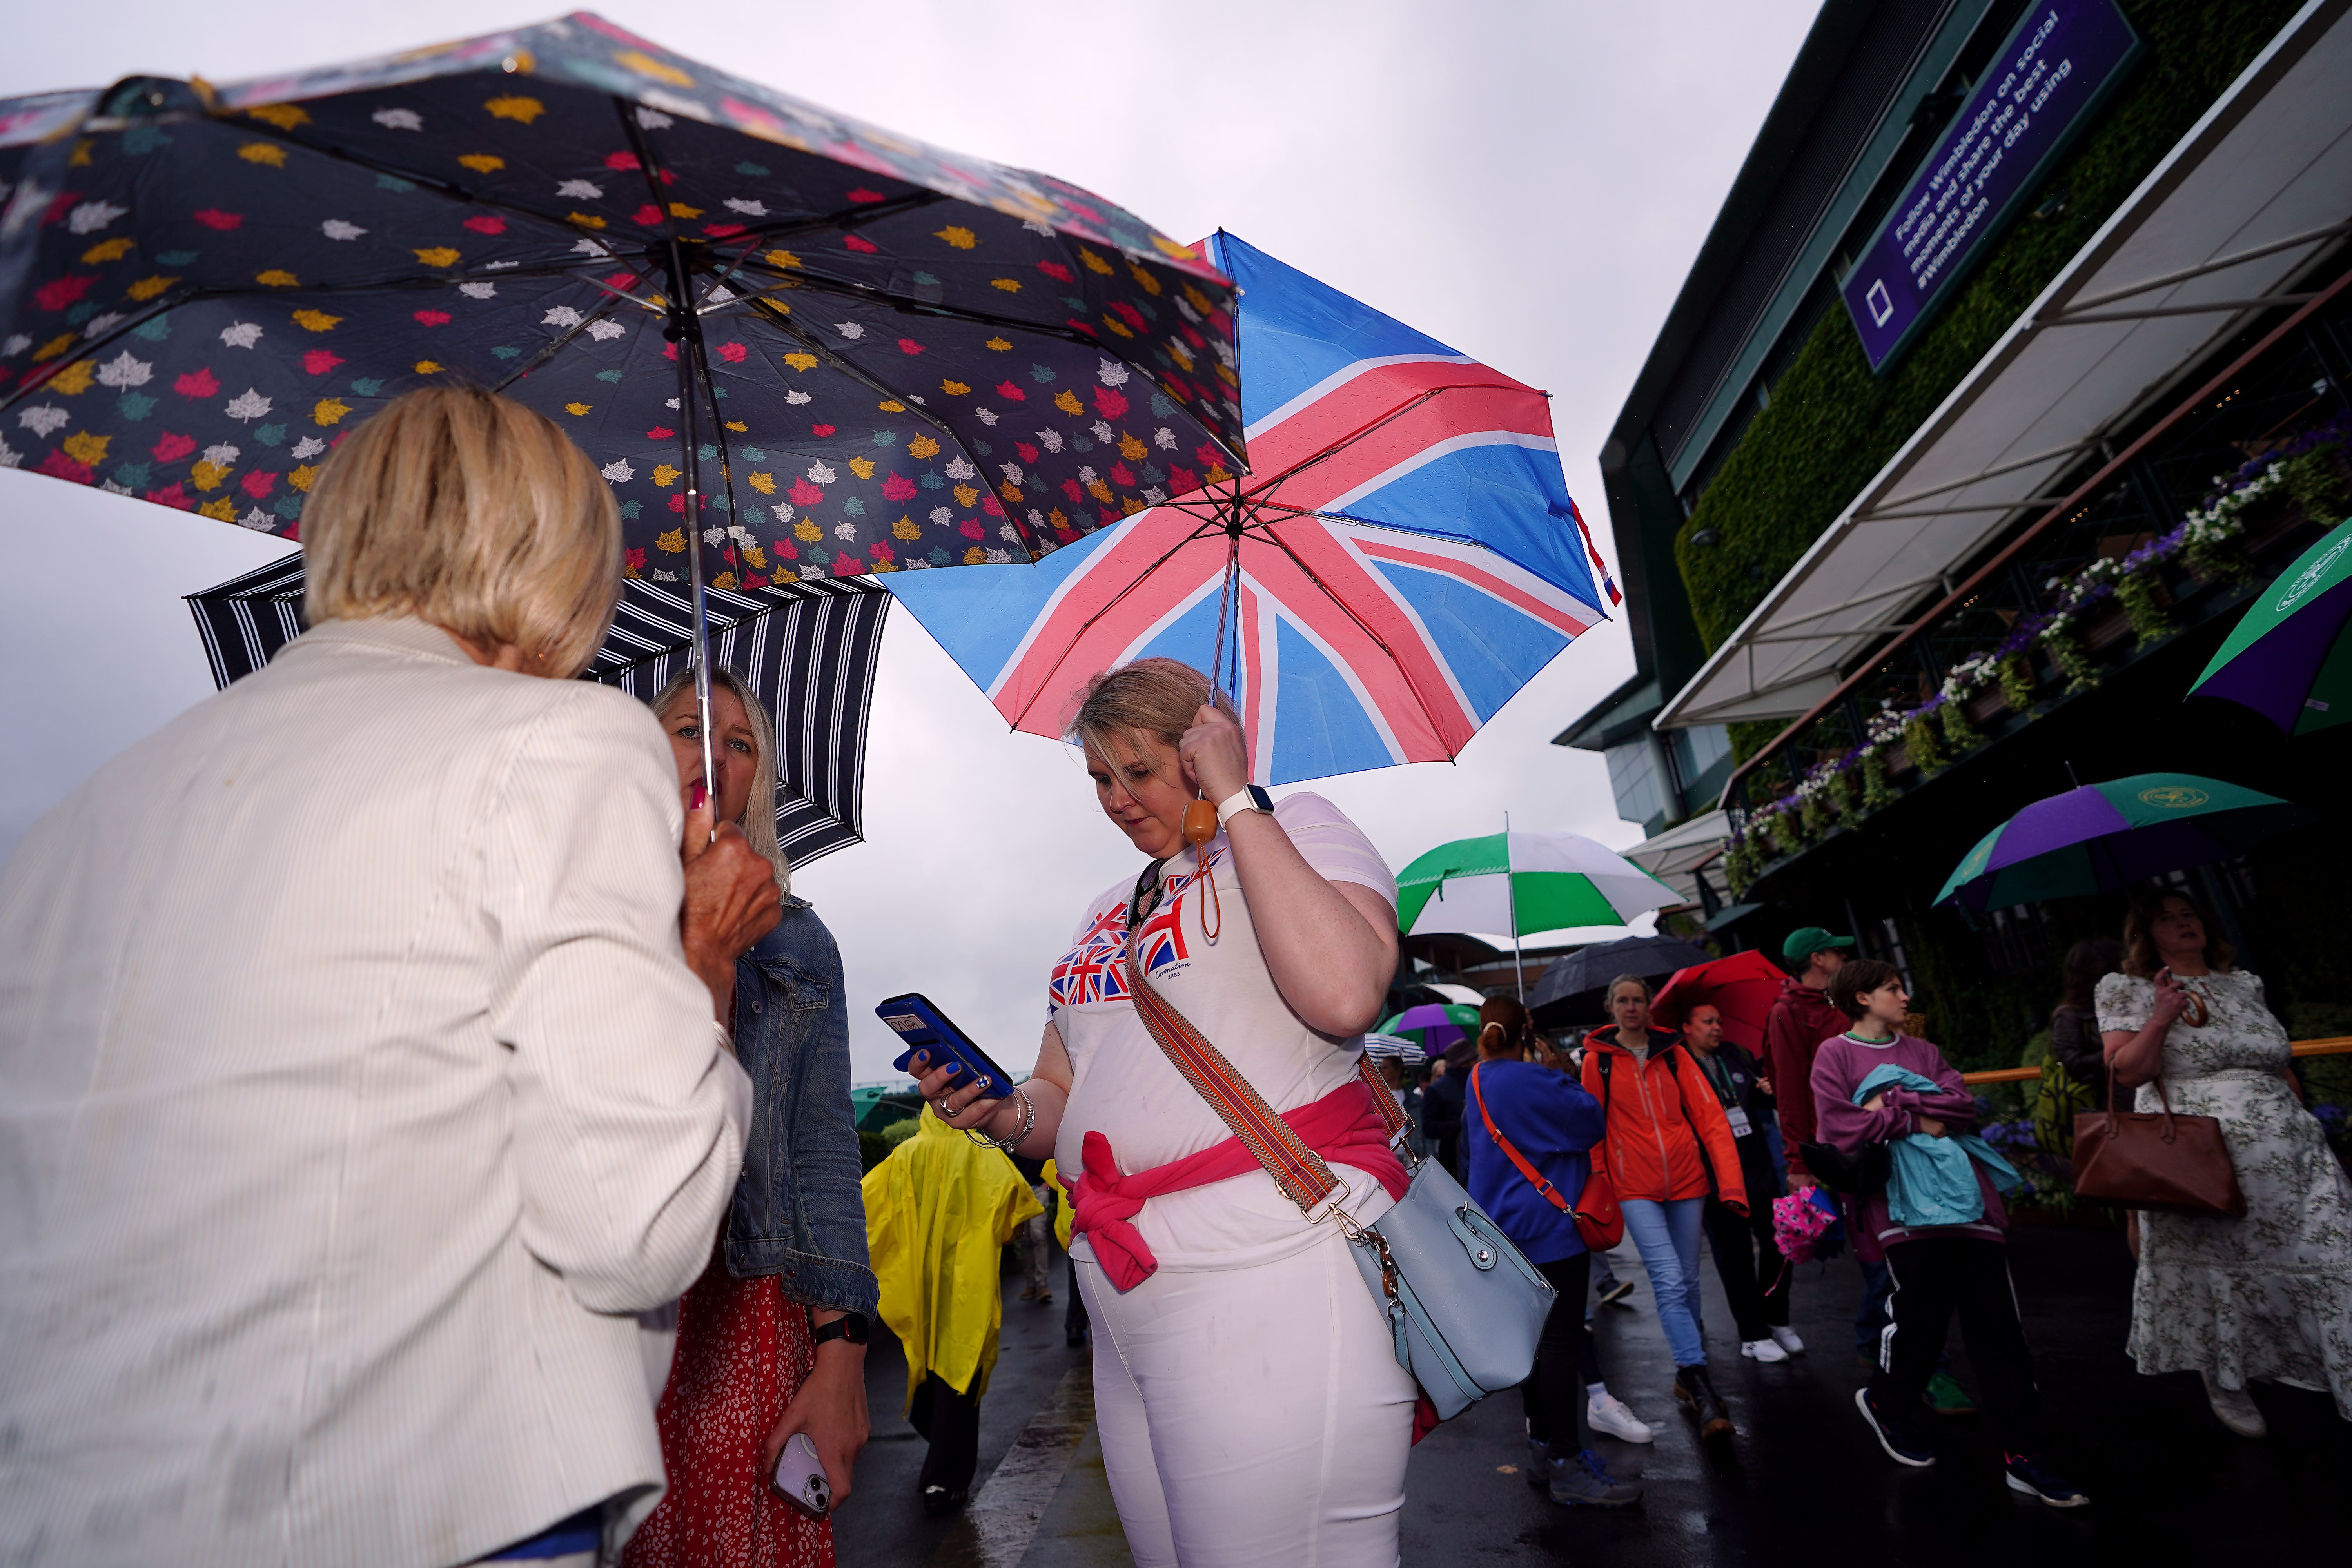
(1807,941)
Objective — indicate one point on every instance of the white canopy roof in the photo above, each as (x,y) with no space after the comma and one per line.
(2256,189)
(1672,855)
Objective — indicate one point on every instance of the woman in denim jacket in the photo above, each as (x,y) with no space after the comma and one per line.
(772,1339)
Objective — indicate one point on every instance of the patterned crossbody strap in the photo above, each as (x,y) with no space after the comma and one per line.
(1297,1170)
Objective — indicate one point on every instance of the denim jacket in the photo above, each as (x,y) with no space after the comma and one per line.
(797,1211)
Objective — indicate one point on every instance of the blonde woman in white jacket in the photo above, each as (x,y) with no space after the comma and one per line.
(356,1089)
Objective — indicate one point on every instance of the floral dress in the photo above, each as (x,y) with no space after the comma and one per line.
(2270,1295)
(743,1352)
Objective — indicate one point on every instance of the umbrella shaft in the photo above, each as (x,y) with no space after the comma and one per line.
(690,346)
(1229,599)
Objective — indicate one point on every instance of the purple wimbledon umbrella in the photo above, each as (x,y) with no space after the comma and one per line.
(2288,659)
(1439,1024)
(2106,835)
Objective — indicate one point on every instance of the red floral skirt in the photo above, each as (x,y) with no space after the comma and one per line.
(742,1354)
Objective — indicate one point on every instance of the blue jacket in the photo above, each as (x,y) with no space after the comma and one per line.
(797,1212)
(1553,1123)
(1933,1181)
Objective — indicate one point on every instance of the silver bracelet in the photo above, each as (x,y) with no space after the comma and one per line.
(1006,1145)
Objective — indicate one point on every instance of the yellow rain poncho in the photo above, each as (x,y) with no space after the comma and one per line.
(1061,1206)
(938,1214)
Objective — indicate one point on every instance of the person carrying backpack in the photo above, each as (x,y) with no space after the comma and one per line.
(1668,1149)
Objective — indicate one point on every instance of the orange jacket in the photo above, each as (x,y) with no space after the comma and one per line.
(1667,1136)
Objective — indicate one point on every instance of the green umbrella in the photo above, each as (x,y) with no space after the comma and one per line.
(1524,881)
(2289,659)
(873,1107)
(1517,882)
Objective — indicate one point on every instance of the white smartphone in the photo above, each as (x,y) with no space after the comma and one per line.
(800,1478)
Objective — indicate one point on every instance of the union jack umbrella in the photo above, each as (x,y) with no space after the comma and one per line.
(1402,558)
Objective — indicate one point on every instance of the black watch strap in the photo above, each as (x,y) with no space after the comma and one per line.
(851,1326)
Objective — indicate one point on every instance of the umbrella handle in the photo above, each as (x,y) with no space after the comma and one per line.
(1200,826)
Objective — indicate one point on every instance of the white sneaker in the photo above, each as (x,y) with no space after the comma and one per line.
(1787,1340)
(1607,1413)
(1767,1351)
(2235,1409)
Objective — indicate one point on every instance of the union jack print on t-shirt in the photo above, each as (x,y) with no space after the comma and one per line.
(1095,969)
(1161,940)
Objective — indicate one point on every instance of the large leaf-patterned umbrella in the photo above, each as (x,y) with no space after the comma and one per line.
(837,350)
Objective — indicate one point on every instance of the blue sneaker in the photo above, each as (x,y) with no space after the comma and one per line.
(1539,1463)
(1584,1481)
(2031,1474)
(1900,1446)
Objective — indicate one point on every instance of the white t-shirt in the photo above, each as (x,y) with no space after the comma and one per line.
(1124,1087)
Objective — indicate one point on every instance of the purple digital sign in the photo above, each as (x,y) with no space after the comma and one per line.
(2050,73)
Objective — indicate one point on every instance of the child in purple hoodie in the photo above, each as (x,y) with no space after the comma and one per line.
(1937,1269)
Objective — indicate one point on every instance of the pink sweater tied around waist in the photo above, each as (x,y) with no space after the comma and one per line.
(1345,1127)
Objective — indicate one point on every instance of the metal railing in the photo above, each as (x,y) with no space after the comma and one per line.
(2336,1044)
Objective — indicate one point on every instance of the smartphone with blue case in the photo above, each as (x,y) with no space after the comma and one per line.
(921,1027)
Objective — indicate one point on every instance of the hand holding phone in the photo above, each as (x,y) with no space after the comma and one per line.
(923,1028)
(800,1478)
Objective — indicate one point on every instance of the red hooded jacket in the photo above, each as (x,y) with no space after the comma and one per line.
(1800,1021)
(1667,1136)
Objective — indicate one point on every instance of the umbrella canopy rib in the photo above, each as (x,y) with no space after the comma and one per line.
(810,650)
(1140,578)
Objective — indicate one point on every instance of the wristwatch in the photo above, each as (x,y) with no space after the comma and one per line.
(850,1326)
(1249,797)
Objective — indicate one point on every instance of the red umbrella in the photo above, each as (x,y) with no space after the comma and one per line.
(1742,987)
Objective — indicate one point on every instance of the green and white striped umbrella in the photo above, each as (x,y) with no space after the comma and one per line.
(1515,882)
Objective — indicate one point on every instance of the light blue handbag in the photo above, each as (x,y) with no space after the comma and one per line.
(1465,1307)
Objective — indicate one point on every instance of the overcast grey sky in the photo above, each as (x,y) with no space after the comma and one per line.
(1527,181)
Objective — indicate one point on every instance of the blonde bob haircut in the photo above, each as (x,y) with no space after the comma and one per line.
(759,819)
(1154,697)
(472,512)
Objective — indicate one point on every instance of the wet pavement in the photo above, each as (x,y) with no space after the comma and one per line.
(1803,1482)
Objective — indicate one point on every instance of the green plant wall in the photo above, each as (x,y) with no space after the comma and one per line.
(1831,423)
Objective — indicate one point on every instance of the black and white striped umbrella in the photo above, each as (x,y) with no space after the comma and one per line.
(808,648)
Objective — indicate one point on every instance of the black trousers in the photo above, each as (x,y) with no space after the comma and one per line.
(1074,1320)
(1755,1276)
(949,1422)
(1935,1277)
(1553,1394)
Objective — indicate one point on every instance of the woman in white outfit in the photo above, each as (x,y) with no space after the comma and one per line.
(1251,1407)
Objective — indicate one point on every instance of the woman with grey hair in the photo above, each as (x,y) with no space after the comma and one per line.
(1246,1387)
(772,1339)
(359,1083)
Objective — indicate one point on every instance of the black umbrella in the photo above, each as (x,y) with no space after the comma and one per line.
(1575,986)
(808,648)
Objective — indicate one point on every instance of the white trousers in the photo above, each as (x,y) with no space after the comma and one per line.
(1252,1416)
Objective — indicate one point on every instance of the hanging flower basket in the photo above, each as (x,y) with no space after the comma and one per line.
(2017,682)
(1958,732)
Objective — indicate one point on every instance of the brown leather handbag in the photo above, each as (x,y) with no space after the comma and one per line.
(2125,1159)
